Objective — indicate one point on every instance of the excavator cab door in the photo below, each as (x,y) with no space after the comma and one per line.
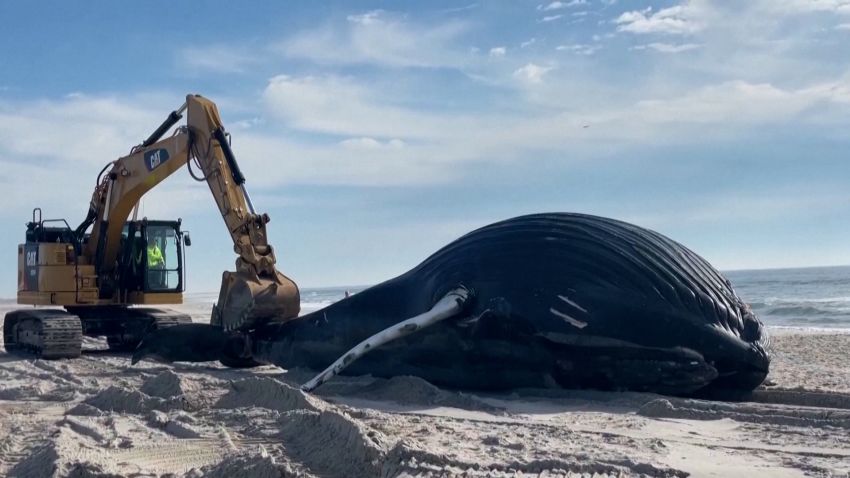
(152,259)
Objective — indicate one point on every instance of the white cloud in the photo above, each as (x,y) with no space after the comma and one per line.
(667,47)
(528,43)
(64,143)
(382,142)
(340,106)
(532,73)
(677,20)
(368,18)
(367,143)
(460,9)
(580,49)
(556,5)
(746,207)
(81,128)
(550,18)
(61,144)
(497,52)
(843,26)
(740,102)
(803,6)
(362,161)
(217,59)
(379,38)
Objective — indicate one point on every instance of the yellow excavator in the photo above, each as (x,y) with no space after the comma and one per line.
(109,273)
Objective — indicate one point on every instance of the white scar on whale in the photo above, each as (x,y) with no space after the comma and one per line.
(568,319)
(567,300)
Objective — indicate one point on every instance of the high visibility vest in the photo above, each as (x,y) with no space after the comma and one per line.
(155,256)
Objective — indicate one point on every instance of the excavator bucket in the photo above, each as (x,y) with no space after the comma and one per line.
(247,300)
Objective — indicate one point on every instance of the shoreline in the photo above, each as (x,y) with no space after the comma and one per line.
(797,329)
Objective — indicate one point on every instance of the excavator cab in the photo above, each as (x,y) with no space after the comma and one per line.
(151,258)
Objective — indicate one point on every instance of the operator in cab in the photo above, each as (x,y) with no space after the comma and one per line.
(155,259)
(156,264)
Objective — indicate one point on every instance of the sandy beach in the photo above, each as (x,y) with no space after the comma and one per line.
(100,416)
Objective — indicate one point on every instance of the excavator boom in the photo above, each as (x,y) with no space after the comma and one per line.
(111,261)
(256,291)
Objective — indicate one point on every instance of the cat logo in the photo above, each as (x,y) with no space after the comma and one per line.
(32,258)
(155,157)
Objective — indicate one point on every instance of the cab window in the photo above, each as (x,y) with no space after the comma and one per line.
(162,259)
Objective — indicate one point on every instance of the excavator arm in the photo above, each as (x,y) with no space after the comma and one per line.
(256,292)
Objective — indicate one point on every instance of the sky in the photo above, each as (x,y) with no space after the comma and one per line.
(373,133)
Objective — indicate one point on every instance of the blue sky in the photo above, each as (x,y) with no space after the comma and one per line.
(375,132)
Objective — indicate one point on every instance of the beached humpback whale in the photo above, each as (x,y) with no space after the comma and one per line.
(542,300)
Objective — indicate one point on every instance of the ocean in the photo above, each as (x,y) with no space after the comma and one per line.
(813,297)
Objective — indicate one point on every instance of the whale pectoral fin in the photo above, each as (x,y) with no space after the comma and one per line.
(449,306)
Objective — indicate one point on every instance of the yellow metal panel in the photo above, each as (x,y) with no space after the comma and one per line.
(86,277)
(155,298)
(88,296)
(47,298)
(57,278)
(54,253)
(59,298)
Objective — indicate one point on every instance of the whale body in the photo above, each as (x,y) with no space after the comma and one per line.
(556,299)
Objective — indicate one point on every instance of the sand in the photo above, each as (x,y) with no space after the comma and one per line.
(100,416)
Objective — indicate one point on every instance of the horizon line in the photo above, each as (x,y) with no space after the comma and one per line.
(365,286)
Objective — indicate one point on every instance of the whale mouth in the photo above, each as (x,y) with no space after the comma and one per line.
(613,364)
(740,375)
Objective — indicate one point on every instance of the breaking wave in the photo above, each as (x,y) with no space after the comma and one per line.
(808,297)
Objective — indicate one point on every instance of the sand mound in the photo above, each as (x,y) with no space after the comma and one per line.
(267,393)
(259,465)
(407,390)
(168,384)
(405,461)
(84,410)
(323,439)
(38,391)
(117,399)
(67,454)
(176,426)
(43,461)
(89,470)
(330,443)
(745,412)
(26,392)
(804,398)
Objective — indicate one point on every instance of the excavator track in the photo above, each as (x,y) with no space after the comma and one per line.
(134,323)
(47,333)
